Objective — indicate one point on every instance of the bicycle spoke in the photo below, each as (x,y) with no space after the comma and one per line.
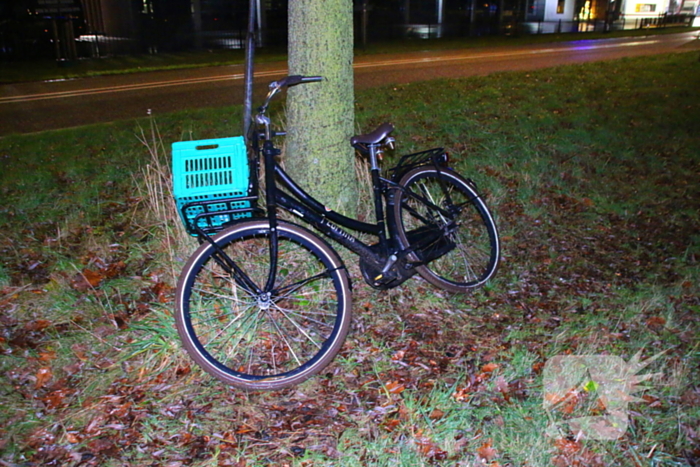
(298,327)
(291,288)
(219,296)
(284,335)
(470,273)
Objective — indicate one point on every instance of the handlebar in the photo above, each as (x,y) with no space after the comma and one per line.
(293,80)
(288,81)
(275,87)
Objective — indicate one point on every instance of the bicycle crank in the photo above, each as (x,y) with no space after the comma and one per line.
(393,272)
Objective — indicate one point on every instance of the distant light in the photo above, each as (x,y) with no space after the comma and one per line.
(96,37)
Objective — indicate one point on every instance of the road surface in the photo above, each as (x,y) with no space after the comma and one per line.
(32,107)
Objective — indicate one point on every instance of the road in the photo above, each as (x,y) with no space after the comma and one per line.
(32,107)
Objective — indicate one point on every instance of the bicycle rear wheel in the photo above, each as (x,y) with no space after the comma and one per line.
(267,340)
(452,235)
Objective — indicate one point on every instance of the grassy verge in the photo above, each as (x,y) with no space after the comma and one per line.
(121,64)
(592,172)
(47,69)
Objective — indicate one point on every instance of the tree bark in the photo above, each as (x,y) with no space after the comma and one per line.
(320,116)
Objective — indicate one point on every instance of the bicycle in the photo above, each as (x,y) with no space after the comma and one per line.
(265,303)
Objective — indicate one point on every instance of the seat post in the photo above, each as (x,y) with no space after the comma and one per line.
(373,159)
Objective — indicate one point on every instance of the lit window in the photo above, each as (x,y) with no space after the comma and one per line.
(645,7)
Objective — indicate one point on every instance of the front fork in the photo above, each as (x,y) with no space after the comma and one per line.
(269,153)
(227,264)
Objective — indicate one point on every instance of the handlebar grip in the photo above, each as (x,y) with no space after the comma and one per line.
(293,80)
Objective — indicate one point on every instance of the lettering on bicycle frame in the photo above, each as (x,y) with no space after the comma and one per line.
(337,230)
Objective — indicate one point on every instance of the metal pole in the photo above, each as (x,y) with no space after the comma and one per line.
(249,56)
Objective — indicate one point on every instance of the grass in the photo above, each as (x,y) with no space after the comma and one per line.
(40,70)
(591,171)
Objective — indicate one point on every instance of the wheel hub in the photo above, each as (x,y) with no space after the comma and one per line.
(264,301)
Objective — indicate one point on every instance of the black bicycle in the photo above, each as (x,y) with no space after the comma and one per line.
(266,303)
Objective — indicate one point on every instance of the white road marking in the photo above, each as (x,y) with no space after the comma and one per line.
(283,72)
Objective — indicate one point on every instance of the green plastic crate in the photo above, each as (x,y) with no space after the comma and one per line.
(208,176)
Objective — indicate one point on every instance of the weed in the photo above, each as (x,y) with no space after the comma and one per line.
(156,190)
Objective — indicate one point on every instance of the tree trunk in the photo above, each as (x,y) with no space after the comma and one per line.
(320,116)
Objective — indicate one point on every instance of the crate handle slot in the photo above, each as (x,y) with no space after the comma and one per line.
(206,147)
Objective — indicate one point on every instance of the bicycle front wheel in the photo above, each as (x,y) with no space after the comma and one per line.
(271,339)
(448,229)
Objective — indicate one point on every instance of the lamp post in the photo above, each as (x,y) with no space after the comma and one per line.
(249,56)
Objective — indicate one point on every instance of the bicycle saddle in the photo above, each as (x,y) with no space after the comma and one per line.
(375,137)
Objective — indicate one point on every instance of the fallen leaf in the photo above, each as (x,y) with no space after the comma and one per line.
(114,269)
(567,446)
(80,351)
(93,277)
(575,454)
(47,356)
(429,449)
(101,446)
(73,368)
(390,425)
(37,325)
(43,376)
(461,394)
(162,291)
(55,398)
(394,387)
(656,322)
(486,452)
(652,401)
(86,280)
(502,385)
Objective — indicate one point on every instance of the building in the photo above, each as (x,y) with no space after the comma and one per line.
(548,16)
(71,29)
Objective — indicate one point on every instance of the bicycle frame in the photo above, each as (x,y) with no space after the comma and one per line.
(332,224)
(381,256)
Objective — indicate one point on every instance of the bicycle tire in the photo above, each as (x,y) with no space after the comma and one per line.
(440,216)
(254,343)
